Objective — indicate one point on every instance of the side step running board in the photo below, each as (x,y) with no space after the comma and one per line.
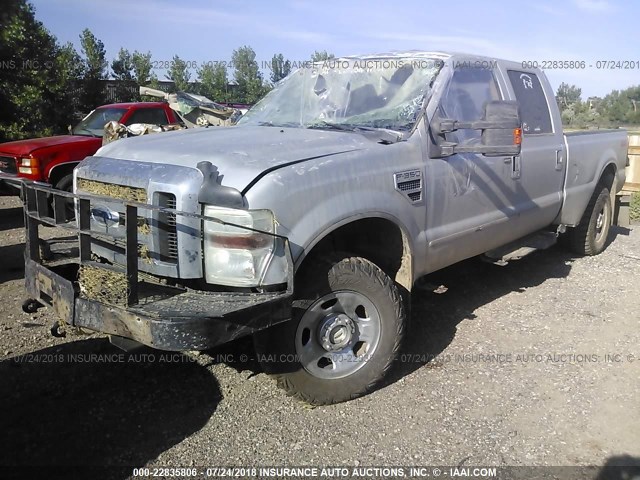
(521,248)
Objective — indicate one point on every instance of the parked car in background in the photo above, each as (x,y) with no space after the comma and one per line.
(52,159)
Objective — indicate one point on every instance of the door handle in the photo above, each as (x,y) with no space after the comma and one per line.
(515,167)
(559,160)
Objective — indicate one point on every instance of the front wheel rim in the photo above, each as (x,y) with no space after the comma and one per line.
(338,334)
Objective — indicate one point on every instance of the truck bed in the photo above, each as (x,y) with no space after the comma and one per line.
(588,154)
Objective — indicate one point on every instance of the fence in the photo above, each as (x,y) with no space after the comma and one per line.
(633,170)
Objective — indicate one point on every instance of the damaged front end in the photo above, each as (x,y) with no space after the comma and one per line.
(110,274)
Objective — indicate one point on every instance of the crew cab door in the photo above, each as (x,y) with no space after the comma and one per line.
(540,169)
(472,199)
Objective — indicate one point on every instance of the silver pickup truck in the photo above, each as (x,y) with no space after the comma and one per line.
(308,223)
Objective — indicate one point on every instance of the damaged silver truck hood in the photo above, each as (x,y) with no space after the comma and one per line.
(240,153)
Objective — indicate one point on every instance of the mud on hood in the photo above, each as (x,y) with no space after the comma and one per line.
(240,153)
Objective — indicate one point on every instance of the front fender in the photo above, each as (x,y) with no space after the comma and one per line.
(312,199)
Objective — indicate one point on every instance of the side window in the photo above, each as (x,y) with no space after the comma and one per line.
(154,116)
(533,104)
(466,95)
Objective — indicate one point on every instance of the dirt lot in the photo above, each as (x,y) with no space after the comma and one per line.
(535,363)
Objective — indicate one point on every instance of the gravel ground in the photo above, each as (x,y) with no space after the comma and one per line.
(535,363)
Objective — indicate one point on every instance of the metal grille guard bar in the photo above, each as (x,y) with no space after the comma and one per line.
(37,197)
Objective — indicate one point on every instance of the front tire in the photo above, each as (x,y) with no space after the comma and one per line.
(66,185)
(347,327)
(589,237)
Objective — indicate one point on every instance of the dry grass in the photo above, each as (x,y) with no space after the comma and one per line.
(143,227)
(144,253)
(634,212)
(112,190)
(103,285)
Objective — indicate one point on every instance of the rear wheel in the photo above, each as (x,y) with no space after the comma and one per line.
(590,236)
(348,323)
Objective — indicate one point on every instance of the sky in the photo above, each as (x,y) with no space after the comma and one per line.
(201,31)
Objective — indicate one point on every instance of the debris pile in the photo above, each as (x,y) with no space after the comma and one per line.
(193,110)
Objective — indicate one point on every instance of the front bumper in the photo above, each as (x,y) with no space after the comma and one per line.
(186,320)
(161,316)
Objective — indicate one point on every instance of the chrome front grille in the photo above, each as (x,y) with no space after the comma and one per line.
(167,230)
(113,218)
(170,240)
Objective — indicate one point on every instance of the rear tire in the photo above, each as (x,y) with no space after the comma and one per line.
(589,237)
(347,327)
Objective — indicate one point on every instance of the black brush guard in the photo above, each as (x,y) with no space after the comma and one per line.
(160,316)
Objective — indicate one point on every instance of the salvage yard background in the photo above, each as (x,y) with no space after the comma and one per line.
(535,363)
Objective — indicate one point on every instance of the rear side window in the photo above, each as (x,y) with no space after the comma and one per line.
(533,104)
(154,116)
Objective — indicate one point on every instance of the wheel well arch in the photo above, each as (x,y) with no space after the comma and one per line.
(378,239)
(608,175)
(609,178)
(60,170)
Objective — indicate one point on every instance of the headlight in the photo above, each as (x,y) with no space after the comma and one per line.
(28,166)
(235,256)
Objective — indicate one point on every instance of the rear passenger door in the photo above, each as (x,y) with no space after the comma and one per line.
(540,167)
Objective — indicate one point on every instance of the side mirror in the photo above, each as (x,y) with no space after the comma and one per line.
(501,128)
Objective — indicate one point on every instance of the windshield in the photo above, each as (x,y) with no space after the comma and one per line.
(93,124)
(348,93)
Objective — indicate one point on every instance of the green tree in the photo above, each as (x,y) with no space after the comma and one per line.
(179,74)
(143,74)
(621,107)
(142,68)
(69,72)
(321,56)
(96,65)
(123,73)
(581,115)
(247,75)
(567,95)
(594,102)
(633,96)
(28,73)
(612,107)
(280,68)
(213,82)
